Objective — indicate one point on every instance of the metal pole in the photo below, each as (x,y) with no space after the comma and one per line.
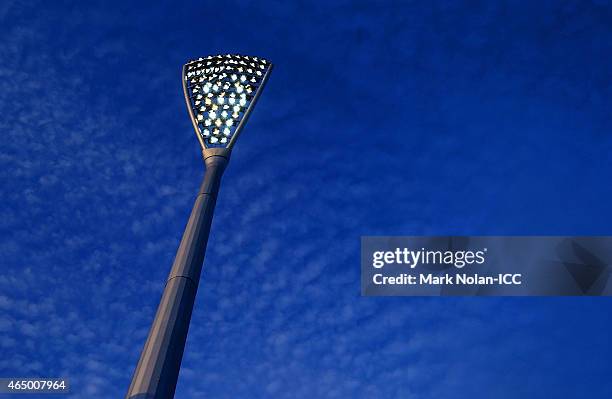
(157,370)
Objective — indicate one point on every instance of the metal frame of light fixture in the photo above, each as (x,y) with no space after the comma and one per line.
(157,371)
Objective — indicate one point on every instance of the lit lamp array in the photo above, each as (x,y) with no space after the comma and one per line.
(220,90)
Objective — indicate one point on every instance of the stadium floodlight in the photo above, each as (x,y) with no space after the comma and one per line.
(220,92)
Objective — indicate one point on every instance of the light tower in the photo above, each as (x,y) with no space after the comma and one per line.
(220,92)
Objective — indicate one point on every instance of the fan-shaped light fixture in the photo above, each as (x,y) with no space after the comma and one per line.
(220,92)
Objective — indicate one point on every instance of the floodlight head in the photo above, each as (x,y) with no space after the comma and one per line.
(220,92)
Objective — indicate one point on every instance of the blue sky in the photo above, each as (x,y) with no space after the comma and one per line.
(402,118)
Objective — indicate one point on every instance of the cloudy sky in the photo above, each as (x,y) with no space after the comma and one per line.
(389,118)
